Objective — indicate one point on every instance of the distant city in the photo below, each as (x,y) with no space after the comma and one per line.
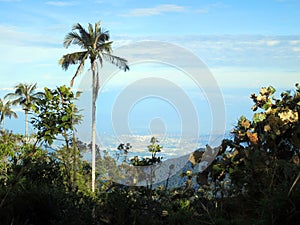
(173,145)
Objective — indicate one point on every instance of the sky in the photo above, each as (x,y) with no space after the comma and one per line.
(234,46)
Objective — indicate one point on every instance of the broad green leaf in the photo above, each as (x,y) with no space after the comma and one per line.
(217,167)
(65,118)
(259,117)
(272,89)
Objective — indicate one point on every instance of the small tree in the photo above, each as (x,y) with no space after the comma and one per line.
(56,114)
(149,162)
(25,96)
(6,111)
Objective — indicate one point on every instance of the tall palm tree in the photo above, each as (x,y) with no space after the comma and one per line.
(25,96)
(96,46)
(6,111)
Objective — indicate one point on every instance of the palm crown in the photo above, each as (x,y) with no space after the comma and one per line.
(96,45)
(5,110)
(25,96)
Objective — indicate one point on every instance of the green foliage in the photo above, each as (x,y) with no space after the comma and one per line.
(56,113)
(33,187)
(153,148)
(96,45)
(261,162)
(8,142)
(26,96)
(6,111)
(254,179)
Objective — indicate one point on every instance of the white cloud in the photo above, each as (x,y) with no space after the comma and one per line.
(243,77)
(272,42)
(157,10)
(294,42)
(7,89)
(296,49)
(11,35)
(27,55)
(281,53)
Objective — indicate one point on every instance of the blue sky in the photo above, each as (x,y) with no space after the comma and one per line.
(244,44)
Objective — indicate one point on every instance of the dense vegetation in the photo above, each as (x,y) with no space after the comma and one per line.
(44,179)
(253,180)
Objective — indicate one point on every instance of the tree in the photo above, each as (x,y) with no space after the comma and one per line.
(260,165)
(96,45)
(56,114)
(25,96)
(5,110)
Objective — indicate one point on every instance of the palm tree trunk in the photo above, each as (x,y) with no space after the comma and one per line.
(26,126)
(94,126)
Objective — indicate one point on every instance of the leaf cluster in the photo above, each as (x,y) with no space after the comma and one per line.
(56,113)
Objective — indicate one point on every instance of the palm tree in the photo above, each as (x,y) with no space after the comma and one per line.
(96,46)
(5,110)
(25,96)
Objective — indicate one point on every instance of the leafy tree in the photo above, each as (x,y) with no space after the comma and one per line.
(8,147)
(39,195)
(25,96)
(96,45)
(56,114)
(260,164)
(6,111)
(153,148)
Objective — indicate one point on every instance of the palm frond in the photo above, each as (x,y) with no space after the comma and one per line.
(2,117)
(117,61)
(91,30)
(17,101)
(24,95)
(79,69)
(71,59)
(5,110)
(76,39)
(13,114)
(17,98)
(96,43)
(103,35)
(100,40)
(38,95)
(97,25)
(104,47)
(10,96)
(84,34)
(32,88)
